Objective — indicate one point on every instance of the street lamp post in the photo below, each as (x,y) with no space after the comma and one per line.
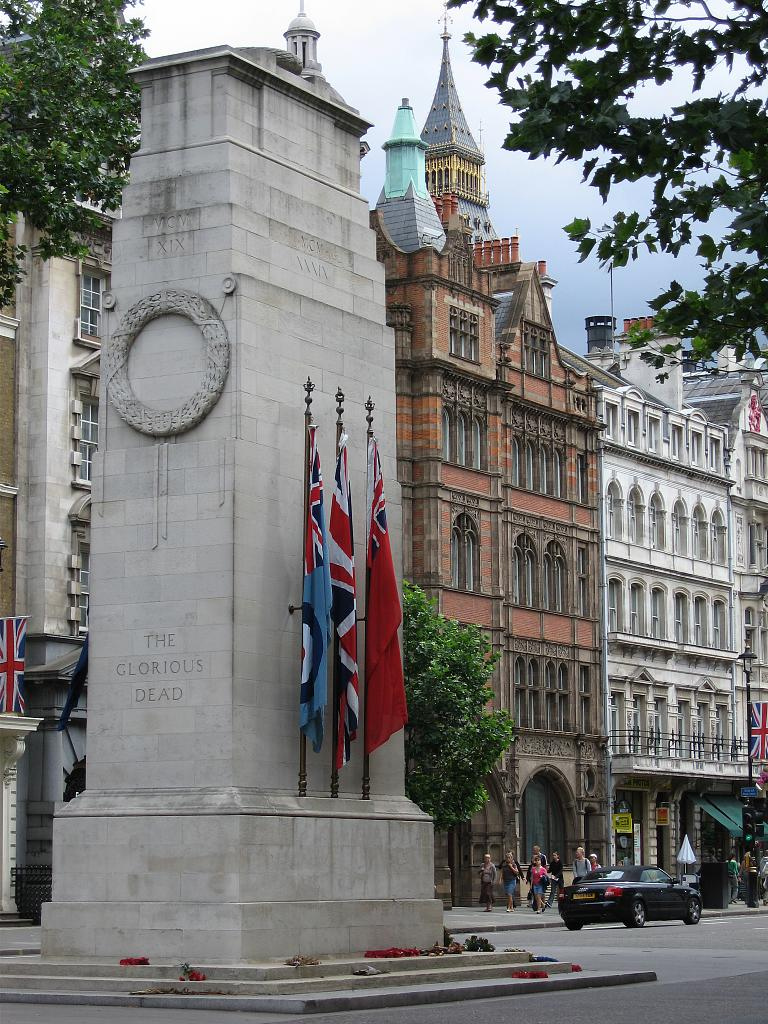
(747,658)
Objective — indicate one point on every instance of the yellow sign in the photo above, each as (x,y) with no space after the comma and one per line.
(662,816)
(622,823)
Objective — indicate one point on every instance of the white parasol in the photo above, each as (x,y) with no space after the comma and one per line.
(686,855)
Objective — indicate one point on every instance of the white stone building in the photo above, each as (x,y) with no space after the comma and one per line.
(675,724)
(60,309)
(736,398)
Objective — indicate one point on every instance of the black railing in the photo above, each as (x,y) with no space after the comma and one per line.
(32,886)
(696,747)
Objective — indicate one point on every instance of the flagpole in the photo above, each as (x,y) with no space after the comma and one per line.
(335,672)
(369,407)
(309,387)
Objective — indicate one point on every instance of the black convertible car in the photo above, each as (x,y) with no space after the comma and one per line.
(631,895)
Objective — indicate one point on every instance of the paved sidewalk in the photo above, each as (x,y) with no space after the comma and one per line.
(466,920)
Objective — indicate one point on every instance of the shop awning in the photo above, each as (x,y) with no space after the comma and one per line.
(724,809)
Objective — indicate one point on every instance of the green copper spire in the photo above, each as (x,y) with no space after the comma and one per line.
(405,156)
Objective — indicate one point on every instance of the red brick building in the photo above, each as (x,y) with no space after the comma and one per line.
(497,443)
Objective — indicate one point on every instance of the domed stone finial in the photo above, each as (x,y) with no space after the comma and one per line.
(301,40)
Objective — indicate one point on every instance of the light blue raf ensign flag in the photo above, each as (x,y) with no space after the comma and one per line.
(316,607)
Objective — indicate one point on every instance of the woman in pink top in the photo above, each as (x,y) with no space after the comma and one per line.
(538,883)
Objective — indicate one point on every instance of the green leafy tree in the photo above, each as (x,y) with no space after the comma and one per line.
(578,76)
(453,737)
(69,123)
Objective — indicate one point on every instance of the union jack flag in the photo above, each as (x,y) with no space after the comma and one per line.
(13,642)
(758,731)
(385,708)
(315,608)
(344,604)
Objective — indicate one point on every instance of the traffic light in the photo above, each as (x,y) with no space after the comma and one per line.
(760,821)
(748,825)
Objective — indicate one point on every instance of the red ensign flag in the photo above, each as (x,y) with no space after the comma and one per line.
(385,708)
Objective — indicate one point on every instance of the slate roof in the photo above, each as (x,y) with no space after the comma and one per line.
(718,396)
(446,124)
(476,211)
(411,221)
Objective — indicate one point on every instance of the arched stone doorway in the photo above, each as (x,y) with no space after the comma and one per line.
(542,818)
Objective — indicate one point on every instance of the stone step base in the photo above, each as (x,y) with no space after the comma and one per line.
(340,1000)
(35,975)
(274,971)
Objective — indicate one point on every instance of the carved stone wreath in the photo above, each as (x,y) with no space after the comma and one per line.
(162,423)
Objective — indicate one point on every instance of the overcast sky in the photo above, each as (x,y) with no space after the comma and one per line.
(376,53)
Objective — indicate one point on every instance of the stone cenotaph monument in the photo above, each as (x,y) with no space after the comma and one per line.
(243,263)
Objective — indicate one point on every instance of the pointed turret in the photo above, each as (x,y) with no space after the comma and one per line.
(454,161)
(405,205)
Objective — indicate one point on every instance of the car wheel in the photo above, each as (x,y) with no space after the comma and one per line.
(693,912)
(574,926)
(636,914)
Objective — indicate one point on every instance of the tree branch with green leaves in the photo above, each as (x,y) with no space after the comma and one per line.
(69,122)
(577,75)
(454,736)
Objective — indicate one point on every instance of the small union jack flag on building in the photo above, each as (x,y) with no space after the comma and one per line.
(13,641)
(758,731)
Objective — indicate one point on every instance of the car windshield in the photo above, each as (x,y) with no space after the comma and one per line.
(605,875)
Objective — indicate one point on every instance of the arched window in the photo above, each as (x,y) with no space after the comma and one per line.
(530,463)
(681,618)
(464,554)
(524,571)
(516,462)
(719,631)
(656,522)
(700,631)
(519,672)
(553,579)
(545,481)
(679,528)
(461,439)
(613,511)
(718,537)
(446,435)
(699,533)
(637,609)
(615,606)
(558,473)
(658,614)
(533,673)
(635,510)
(477,443)
(562,677)
(549,676)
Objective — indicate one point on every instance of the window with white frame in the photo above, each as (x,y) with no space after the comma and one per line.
(615,607)
(635,512)
(91,291)
(697,447)
(656,521)
(582,579)
(681,618)
(699,533)
(84,579)
(719,634)
(637,609)
(679,528)
(558,473)
(718,538)
(715,454)
(633,427)
(613,512)
(658,614)
(89,437)
(676,441)
(700,632)
(611,420)
(464,334)
(654,434)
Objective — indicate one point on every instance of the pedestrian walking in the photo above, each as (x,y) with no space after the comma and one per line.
(733,876)
(556,881)
(594,863)
(538,883)
(487,879)
(763,878)
(580,865)
(510,879)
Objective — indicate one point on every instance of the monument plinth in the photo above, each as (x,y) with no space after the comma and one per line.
(243,262)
